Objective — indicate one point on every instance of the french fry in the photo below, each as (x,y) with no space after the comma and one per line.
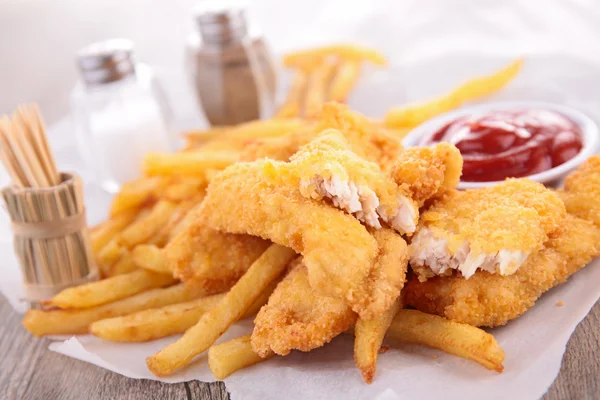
(193,163)
(227,357)
(265,129)
(110,289)
(135,194)
(142,230)
(56,322)
(110,228)
(461,340)
(345,79)
(368,338)
(291,107)
(197,138)
(185,189)
(124,266)
(108,256)
(150,257)
(412,115)
(318,85)
(311,57)
(154,323)
(165,321)
(212,324)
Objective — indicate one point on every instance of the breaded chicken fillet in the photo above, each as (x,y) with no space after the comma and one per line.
(487,299)
(326,168)
(494,229)
(490,300)
(581,193)
(211,259)
(299,318)
(338,251)
(344,260)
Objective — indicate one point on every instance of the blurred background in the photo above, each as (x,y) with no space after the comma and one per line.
(39,39)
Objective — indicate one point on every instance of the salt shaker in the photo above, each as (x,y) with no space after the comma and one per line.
(119,112)
(231,68)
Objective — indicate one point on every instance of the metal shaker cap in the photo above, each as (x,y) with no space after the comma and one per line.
(221,21)
(107,61)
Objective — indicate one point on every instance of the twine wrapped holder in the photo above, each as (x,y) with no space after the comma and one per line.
(51,238)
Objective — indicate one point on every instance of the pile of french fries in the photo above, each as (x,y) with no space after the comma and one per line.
(323,74)
(138,298)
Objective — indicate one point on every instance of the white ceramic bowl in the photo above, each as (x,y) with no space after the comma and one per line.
(591,136)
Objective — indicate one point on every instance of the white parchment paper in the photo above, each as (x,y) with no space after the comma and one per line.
(433,45)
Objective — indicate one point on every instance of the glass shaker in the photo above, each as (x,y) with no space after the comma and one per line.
(231,68)
(119,112)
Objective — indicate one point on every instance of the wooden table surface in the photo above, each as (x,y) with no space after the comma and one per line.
(28,370)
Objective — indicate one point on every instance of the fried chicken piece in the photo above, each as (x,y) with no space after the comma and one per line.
(299,318)
(425,173)
(491,299)
(338,251)
(211,259)
(367,139)
(494,229)
(387,277)
(581,193)
(326,168)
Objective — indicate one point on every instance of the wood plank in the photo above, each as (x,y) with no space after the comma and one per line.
(29,371)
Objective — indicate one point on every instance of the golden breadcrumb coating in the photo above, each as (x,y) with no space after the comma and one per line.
(211,259)
(367,139)
(581,193)
(517,214)
(299,318)
(387,276)
(426,172)
(492,300)
(338,251)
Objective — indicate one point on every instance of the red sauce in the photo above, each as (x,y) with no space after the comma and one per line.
(516,143)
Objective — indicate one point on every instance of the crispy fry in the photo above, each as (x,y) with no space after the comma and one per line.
(194,163)
(176,222)
(165,321)
(110,289)
(144,229)
(135,194)
(311,57)
(185,189)
(346,77)
(291,107)
(318,86)
(123,266)
(412,115)
(150,257)
(154,323)
(461,340)
(55,322)
(108,256)
(368,338)
(212,324)
(110,228)
(227,357)
(197,138)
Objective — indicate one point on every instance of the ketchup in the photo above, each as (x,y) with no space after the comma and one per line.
(515,143)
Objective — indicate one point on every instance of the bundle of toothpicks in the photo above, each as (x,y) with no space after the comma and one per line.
(46,209)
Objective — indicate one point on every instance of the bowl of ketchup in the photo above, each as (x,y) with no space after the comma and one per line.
(540,141)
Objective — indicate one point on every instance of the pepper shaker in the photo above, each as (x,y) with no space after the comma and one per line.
(230,66)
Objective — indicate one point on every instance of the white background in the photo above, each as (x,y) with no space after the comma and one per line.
(39,38)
